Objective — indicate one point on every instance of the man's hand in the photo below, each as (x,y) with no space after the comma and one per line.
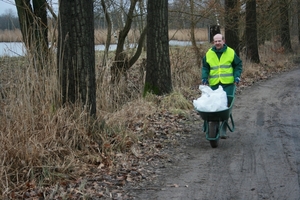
(237,80)
(205,81)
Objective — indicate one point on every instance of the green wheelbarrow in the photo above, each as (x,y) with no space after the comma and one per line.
(215,122)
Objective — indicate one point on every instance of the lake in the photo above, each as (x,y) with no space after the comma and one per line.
(11,49)
(14,49)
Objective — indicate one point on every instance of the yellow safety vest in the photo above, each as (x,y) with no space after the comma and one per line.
(220,69)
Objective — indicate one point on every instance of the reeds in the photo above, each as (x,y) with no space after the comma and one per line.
(10,35)
(101,35)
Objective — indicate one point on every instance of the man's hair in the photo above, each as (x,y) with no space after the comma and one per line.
(223,38)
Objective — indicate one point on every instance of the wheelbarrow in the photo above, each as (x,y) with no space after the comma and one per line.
(215,122)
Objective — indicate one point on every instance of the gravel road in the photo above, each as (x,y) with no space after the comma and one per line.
(259,160)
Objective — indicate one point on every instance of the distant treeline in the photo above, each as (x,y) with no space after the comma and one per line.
(9,22)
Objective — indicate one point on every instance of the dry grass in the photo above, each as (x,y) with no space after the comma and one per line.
(272,60)
(101,35)
(42,143)
(10,35)
(201,34)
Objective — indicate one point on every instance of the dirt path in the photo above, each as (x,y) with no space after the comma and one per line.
(259,160)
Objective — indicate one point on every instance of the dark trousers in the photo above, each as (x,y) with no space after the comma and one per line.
(229,89)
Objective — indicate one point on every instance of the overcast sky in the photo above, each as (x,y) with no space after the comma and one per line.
(6,5)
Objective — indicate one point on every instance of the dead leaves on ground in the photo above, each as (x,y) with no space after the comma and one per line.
(99,180)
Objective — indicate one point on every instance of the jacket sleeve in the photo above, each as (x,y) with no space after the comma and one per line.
(205,68)
(237,66)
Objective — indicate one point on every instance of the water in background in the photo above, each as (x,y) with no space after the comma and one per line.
(14,49)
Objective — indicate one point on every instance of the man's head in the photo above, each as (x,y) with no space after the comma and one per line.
(219,41)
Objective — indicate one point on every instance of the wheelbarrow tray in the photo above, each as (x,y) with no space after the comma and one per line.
(218,115)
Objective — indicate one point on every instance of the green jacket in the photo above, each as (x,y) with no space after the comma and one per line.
(236,63)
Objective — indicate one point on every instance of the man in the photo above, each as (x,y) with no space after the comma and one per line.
(221,66)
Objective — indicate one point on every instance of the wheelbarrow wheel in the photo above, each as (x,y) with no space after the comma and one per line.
(213,131)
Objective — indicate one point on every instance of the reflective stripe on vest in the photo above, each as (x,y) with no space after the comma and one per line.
(220,69)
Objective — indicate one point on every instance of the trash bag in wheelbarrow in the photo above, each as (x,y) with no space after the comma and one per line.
(211,100)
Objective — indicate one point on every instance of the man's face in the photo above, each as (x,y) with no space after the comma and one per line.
(218,42)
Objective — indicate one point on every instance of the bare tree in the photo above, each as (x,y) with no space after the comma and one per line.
(34,27)
(251,32)
(123,61)
(193,40)
(158,70)
(76,53)
(265,17)
(231,24)
(109,31)
(298,13)
(284,26)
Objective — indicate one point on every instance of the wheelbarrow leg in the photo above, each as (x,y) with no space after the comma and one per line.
(225,125)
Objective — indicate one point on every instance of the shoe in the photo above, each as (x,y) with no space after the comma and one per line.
(223,136)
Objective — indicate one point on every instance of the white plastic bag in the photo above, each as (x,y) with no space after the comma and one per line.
(211,100)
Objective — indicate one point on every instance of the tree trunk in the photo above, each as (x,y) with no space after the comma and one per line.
(251,32)
(158,70)
(121,64)
(76,53)
(109,30)
(284,26)
(26,20)
(41,32)
(142,20)
(298,13)
(34,28)
(231,24)
(193,40)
